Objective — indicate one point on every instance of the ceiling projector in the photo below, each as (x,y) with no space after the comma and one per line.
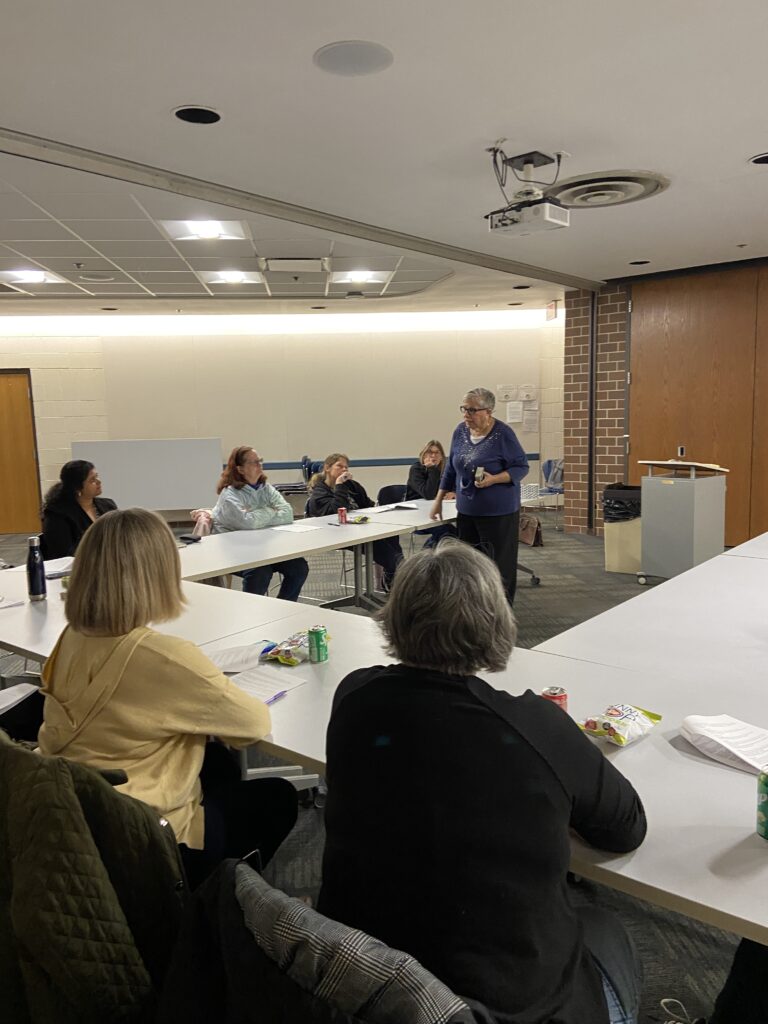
(527,211)
(529,217)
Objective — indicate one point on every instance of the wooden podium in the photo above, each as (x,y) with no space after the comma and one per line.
(683,516)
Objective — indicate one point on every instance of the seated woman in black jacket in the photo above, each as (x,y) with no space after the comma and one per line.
(333,489)
(461,857)
(70,507)
(424,482)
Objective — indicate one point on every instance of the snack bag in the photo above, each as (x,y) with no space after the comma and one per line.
(292,651)
(621,724)
(360,519)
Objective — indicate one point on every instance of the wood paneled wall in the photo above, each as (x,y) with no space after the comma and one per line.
(699,363)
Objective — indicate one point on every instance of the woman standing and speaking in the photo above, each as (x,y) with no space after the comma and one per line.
(485,466)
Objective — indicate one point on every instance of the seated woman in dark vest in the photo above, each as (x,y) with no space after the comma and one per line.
(70,507)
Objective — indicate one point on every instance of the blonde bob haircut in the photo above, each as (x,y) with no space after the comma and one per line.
(447,611)
(126,574)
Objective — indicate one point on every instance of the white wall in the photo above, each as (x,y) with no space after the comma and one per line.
(371,395)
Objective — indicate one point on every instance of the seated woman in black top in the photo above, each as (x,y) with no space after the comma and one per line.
(424,482)
(450,804)
(333,489)
(70,507)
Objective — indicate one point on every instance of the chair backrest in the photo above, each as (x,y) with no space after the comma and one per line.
(273,958)
(391,493)
(552,471)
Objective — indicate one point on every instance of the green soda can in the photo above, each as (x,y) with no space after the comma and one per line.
(762,805)
(318,645)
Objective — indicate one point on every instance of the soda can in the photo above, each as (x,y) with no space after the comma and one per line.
(342,516)
(479,474)
(557,695)
(762,805)
(318,644)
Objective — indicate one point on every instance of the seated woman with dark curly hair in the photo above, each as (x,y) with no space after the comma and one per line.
(461,859)
(70,507)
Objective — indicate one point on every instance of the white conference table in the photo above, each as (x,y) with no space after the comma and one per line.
(708,626)
(416,518)
(32,628)
(755,548)
(702,856)
(223,553)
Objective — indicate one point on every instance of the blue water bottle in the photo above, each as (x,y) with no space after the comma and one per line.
(35,571)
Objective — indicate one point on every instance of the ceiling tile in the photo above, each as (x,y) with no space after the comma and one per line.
(215,247)
(363,263)
(224,263)
(183,288)
(90,263)
(13,205)
(71,247)
(67,206)
(173,277)
(296,288)
(97,230)
(115,248)
(113,288)
(292,248)
(11,230)
(135,263)
(77,277)
(234,291)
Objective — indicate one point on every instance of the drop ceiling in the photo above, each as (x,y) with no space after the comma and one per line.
(674,89)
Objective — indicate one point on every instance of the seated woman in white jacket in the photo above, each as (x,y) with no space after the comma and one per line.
(248,502)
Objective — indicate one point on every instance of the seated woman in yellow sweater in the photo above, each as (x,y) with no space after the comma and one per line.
(120,695)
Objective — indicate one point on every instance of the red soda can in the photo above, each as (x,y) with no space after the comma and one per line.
(342,516)
(557,695)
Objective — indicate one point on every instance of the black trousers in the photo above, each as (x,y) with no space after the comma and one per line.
(497,537)
(744,998)
(240,816)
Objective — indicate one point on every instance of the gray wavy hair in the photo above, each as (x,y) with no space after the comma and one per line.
(448,611)
(485,398)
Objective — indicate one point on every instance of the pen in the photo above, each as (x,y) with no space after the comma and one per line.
(16,604)
(277,696)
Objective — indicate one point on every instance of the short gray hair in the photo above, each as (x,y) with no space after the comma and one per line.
(485,398)
(448,611)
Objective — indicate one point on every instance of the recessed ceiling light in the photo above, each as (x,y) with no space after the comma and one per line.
(232,276)
(638,263)
(521,287)
(359,276)
(110,309)
(30,276)
(761,158)
(318,307)
(205,228)
(514,303)
(96,277)
(197,115)
(353,57)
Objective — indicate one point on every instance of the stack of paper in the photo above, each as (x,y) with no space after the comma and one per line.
(267,682)
(728,740)
(238,659)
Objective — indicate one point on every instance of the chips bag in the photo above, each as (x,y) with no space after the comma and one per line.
(621,724)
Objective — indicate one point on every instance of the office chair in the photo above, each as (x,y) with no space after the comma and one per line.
(391,493)
(552,474)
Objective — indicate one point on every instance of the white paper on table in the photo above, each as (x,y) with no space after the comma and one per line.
(52,565)
(14,695)
(300,527)
(265,683)
(514,412)
(728,740)
(398,506)
(238,659)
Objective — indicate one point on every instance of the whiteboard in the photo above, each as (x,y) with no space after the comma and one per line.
(180,473)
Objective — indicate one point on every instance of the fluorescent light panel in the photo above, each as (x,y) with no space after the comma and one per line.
(203,230)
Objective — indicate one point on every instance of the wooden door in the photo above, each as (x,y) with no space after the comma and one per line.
(692,360)
(19,480)
(759,499)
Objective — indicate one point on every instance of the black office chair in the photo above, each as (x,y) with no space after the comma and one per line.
(390,494)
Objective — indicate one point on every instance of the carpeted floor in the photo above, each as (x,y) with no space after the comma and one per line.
(681,957)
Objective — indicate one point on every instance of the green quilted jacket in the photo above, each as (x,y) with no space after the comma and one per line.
(91,894)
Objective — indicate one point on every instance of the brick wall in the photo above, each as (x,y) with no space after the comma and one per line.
(609,413)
